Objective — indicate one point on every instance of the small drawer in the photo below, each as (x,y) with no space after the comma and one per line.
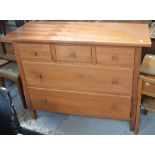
(35,51)
(148,87)
(115,55)
(73,53)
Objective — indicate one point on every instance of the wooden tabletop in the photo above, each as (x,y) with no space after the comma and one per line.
(106,33)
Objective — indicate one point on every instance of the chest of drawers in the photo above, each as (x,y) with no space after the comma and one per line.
(81,68)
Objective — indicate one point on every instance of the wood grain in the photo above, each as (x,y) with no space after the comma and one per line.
(79,77)
(33,51)
(136,76)
(90,104)
(108,55)
(105,33)
(73,53)
(94,59)
(138,105)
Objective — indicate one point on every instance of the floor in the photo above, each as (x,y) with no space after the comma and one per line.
(63,124)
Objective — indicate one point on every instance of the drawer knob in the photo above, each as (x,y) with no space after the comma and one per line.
(115,82)
(115,58)
(114,107)
(40,76)
(80,75)
(73,55)
(44,101)
(35,53)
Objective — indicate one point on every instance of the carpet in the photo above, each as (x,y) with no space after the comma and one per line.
(27,122)
(24,115)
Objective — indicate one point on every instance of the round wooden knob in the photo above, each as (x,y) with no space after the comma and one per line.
(114,107)
(45,101)
(73,55)
(40,76)
(115,58)
(35,53)
(80,75)
(115,82)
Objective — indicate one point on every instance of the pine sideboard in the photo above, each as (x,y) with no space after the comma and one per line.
(81,68)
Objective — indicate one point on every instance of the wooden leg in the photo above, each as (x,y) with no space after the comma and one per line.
(33,114)
(21,92)
(138,105)
(2,83)
(135,88)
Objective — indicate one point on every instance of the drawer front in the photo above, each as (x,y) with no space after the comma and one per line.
(148,87)
(79,77)
(35,51)
(73,53)
(110,106)
(115,56)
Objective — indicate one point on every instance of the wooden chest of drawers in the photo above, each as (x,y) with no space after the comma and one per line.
(81,68)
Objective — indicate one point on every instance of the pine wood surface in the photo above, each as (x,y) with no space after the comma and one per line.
(107,33)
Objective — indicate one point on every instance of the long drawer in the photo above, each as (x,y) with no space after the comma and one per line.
(91,104)
(87,78)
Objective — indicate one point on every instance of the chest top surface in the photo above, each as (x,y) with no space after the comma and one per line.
(105,33)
